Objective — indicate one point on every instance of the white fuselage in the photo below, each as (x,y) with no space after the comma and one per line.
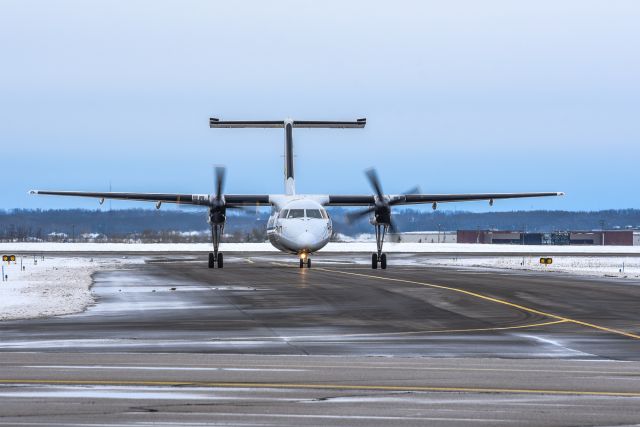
(299,225)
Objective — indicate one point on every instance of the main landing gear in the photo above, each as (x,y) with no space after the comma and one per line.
(216,257)
(380,257)
(213,260)
(305,260)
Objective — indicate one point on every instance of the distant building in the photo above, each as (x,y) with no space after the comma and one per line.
(423,237)
(599,238)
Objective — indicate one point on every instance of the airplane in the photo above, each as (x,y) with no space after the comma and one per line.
(299,223)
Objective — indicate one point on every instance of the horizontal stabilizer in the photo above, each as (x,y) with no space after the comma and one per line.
(217,123)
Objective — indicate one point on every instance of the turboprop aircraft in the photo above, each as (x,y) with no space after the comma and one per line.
(299,223)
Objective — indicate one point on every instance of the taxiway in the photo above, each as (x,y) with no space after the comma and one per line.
(262,342)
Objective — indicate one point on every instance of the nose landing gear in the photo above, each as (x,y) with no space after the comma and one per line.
(305,260)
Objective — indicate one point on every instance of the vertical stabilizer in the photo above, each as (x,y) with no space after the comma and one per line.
(289,181)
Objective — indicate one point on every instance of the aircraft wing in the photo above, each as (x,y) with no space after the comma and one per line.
(185,199)
(414,199)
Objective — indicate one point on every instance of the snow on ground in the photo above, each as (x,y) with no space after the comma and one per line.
(435,248)
(50,287)
(602,266)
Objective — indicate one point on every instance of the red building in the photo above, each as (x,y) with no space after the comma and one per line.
(599,238)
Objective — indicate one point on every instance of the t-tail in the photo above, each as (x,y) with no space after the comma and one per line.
(288,125)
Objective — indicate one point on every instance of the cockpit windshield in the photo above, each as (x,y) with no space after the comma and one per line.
(314,213)
(296,213)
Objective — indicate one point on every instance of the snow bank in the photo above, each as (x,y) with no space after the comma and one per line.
(472,248)
(434,248)
(37,248)
(605,266)
(53,286)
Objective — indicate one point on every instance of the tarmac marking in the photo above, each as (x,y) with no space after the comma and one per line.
(322,386)
(279,264)
(496,300)
(276,368)
(387,334)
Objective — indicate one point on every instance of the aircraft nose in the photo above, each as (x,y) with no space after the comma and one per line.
(307,240)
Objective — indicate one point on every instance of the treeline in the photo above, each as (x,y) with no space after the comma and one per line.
(532,221)
(143,225)
(191,225)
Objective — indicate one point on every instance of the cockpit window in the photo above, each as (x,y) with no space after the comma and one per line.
(314,213)
(296,213)
(283,213)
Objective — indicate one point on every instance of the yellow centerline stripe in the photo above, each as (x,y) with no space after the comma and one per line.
(496,300)
(319,386)
(500,328)
(387,334)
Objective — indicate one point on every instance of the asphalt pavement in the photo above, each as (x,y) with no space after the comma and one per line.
(262,342)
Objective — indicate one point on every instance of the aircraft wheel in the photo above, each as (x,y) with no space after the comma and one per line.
(220,260)
(383,261)
(301,263)
(374,261)
(211,260)
(308,262)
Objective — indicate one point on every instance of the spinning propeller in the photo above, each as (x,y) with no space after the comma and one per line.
(217,204)
(382,207)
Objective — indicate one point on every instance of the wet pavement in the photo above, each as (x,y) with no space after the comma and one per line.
(339,343)
(266,305)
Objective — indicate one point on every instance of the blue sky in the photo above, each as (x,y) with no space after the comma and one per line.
(460,96)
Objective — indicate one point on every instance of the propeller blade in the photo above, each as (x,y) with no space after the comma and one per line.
(392,228)
(245,209)
(220,172)
(353,216)
(396,200)
(375,183)
(414,190)
(400,199)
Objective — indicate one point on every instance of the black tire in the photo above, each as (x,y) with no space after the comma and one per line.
(301,263)
(211,260)
(308,262)
(374,261)
(383,261)
(220,260)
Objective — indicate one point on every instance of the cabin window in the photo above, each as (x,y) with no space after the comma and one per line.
(296,213)
(314,213)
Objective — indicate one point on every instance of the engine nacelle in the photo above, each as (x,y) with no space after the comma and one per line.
(217,215)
